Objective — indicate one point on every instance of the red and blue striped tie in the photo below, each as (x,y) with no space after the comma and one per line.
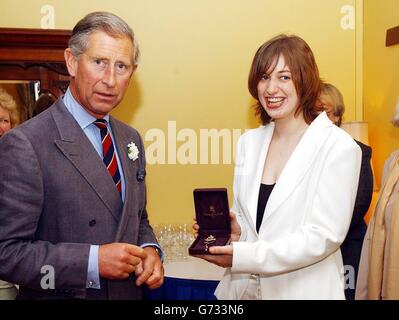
(109,156)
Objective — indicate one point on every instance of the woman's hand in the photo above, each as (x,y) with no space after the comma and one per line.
(222,255)
(196,228)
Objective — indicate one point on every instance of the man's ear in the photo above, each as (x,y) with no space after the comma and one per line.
(71,62)
(134,68)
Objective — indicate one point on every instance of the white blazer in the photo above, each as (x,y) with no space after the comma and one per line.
(306,217)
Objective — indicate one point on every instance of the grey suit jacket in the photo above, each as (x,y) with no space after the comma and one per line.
(57,198)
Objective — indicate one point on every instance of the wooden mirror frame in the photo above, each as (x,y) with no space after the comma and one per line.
(35,54)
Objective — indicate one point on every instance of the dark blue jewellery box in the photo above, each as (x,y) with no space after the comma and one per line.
(213,217)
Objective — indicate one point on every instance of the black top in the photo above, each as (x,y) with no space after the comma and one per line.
(352,246)
(264,194)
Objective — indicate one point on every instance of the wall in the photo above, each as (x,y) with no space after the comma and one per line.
(193,73)
(381,79)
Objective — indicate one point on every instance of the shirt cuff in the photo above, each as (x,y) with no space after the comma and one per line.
(156,246)
(93,277)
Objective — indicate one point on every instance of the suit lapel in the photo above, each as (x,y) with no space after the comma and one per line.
(129,168)
(257,155)
(299,163)
(77,148)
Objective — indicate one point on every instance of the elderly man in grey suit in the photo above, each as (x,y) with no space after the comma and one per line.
(72,182)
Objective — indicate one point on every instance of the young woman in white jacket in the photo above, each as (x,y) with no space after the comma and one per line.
(295,185)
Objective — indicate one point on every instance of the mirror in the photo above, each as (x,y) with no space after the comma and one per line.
(25,95)
(32,67)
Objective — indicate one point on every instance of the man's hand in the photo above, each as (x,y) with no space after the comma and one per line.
(150,270)
(118,260)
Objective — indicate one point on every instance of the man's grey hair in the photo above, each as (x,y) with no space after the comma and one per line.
(105,22)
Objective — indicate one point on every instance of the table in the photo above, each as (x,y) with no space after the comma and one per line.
(191,279)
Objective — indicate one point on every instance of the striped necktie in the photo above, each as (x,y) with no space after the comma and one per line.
(109,156)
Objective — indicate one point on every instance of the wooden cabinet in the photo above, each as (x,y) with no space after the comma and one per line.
(35,58)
